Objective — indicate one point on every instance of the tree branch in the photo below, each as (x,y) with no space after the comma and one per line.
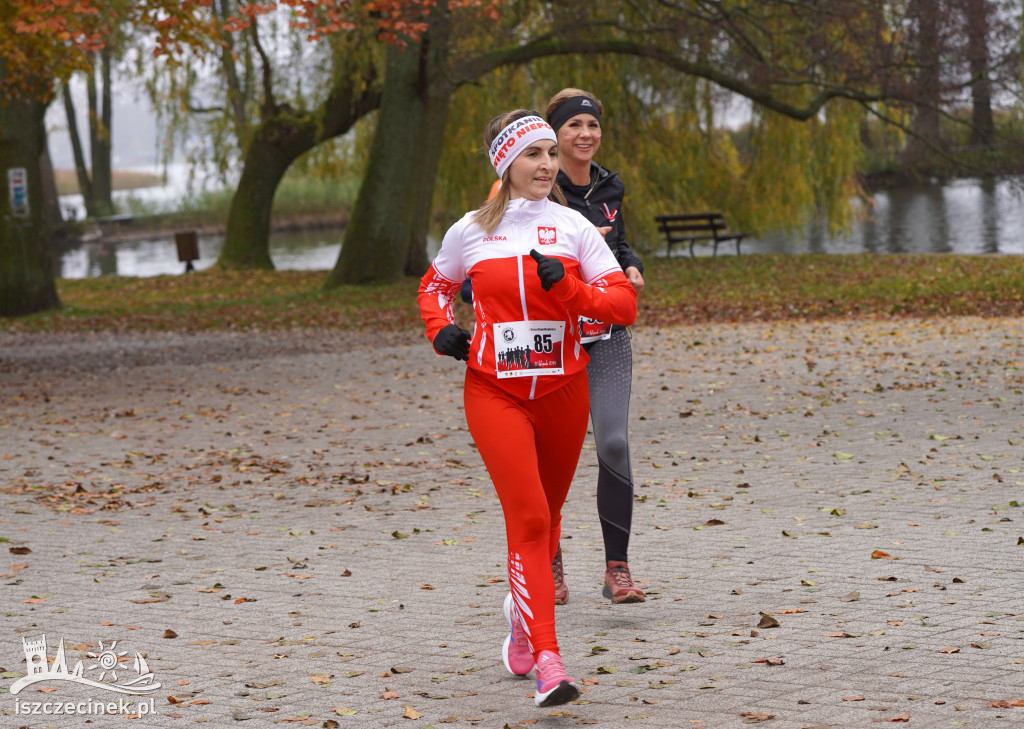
(549,45)
(236,97)
(269,104)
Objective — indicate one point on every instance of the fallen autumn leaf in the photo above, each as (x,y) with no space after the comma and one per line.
(767,621)
(754,717)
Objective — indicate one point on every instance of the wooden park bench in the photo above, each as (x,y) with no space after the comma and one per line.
(697,227)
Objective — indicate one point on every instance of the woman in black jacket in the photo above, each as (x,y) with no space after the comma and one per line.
(575,115)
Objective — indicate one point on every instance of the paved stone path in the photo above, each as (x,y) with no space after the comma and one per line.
(297,530)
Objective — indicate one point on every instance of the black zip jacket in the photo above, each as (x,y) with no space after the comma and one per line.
(600,202)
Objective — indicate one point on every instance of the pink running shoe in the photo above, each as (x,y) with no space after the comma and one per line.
(515,651)
(553,686)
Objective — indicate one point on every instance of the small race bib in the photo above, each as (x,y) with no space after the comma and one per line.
(592,330)
(528,348)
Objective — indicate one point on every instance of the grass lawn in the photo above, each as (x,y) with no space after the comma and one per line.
(679,290)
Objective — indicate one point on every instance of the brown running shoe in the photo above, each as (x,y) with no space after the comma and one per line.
(618,584)
(561,590)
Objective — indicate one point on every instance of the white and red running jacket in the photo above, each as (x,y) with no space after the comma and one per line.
(506,289)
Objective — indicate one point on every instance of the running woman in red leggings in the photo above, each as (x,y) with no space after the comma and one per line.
(532,261)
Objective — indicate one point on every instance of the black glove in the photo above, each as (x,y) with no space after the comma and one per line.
(550,270)
(453,340)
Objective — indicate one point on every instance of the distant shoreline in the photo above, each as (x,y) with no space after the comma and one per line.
(67,180)
(121,229)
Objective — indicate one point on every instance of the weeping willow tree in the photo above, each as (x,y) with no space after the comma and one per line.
(673,142)
(270,83)
(662,65)
(662,68)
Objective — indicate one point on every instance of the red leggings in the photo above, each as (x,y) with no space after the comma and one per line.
(530,448)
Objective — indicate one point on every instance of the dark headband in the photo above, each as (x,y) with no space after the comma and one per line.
(571,107)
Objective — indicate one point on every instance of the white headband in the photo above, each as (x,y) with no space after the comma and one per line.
(516,137)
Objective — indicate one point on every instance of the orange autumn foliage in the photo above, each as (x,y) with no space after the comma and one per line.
(398,21)
(42,40)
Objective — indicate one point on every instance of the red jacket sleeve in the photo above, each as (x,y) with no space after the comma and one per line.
(610,299)
(435,298)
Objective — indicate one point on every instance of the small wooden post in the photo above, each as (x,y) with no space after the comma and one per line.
(188,248)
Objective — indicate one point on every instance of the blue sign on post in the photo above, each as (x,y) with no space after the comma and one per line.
(17,183)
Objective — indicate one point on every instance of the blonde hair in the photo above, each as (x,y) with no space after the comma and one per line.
(558,99)
(491,212)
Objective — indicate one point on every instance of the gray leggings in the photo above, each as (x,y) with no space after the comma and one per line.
(610,373)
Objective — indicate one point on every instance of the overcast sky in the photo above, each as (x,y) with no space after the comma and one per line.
(133,122)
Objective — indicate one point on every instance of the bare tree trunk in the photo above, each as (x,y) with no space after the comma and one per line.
(81,169)
(26,273)
(387,231)
(236,94)
(95,209)
(928,83)
(102,173)
(51,200)
(96,185)
(424,170)
(977,14)
(276,143)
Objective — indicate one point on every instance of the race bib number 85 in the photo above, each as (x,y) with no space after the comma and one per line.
(528,348)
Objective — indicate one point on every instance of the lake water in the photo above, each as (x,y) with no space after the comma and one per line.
(964,217)
(314,250)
